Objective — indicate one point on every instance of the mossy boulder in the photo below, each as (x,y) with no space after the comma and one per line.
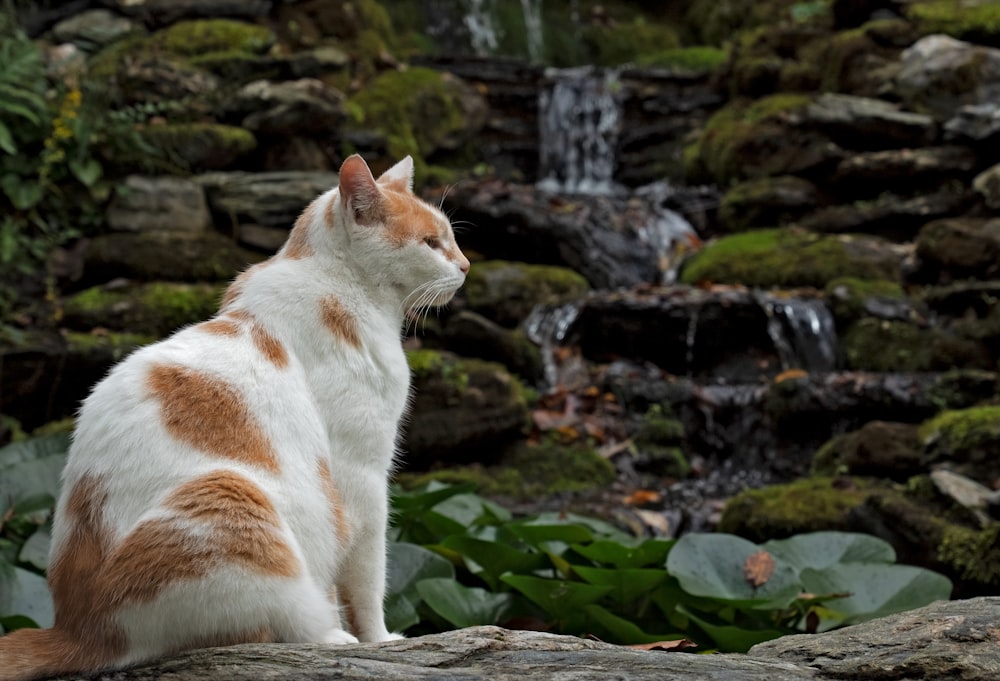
(977,22)
(878,449)
(716,22)
(420,112)
(807,505)
(862,60)
(966,440)
(199,146)
(850,299)
(749,140)
(767,202)
(463,409)
(506,292)
(696,58)
(152,309)
(959,248)
(658,443)
(973,555)
(620,42)
(472,335)
(787,258)
(895,345)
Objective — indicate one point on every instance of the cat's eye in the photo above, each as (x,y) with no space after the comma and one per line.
(432,241)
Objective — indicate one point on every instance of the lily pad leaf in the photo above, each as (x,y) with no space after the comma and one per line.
(822,549)
(463,606)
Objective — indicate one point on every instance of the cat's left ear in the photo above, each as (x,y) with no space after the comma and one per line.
(399,177)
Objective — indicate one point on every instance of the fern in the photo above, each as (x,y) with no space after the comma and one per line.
(22,82)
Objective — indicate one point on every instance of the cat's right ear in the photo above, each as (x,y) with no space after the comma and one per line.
(358,191)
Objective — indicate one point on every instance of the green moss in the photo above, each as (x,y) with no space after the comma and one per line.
(766,202)
(807,505)
(872,344)
(963,430)
(973,554)
(433,364)
(203,36)
(848,297)
(697,58)
(967,21)
(658,444)
(610,45)
(506,292)
(788,258)
(196,146)
(151,309)
(112,346)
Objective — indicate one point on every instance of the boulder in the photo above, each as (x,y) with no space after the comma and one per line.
(92,29)
(472,335)
(959,248)
(506,292)
(879,449)
(987,185)
(868,174)
(289,108)
(153,309)
(976,123)
(865,123)
(964,440)
(166,204)
(165,12)
(767,202)
(890,216)
(199,146)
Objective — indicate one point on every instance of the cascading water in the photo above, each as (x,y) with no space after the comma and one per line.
(532,10)
(803,333)
(483,33)
(547,327)
(579,119)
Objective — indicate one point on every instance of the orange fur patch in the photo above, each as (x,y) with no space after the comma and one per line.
(220,326)
(339,321)
(232,323)
(410,219)
(329,213)
(208,414)
(335,500)
(298,247)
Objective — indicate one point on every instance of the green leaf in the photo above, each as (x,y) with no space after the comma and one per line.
(7,140)
(88,171)
(621,630)
(27,594)
(463,606)
(30,471)
(712,565)
(876,590)
(822,549)
(408,564)
(538,534)
(427,498)
(400,614)
(628,585)
(493,559)
(23,194)
(15,622)
(649,553)
(732,639)
(559,598)
(36,550)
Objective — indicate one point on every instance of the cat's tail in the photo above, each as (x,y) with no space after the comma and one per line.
(28,654)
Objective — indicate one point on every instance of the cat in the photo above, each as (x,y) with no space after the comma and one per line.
(229,484)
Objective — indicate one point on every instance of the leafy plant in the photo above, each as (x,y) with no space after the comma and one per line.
(458,560)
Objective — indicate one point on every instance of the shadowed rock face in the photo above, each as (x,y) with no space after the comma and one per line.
(945,640)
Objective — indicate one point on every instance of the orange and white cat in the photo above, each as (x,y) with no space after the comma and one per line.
(229,484)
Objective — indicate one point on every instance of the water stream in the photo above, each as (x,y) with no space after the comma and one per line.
(803,332)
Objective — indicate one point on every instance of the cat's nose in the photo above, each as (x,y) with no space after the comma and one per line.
(463,265)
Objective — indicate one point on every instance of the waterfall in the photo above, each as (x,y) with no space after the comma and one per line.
(579,119)
(547,327)
(803,332)
(478,20)
(532,10)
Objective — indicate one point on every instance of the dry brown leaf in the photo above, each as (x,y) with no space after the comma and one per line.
(758,568)
(666,646)
(790,374)
(641,497)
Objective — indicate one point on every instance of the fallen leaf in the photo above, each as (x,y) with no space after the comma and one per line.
(666,646)
(790,375)
(758,568)
(655,521)
(641,497)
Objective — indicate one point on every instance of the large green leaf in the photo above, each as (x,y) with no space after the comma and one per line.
(620,630)
(22,193)
(876,590)
(409,564)
(460,605)
(822,549)
(628,585)
(733,639)
(711,565)
(35,551)
(648,553)
(559,598)
(30,471)
(400,613)
(35,448)
(27,594)
(490,559)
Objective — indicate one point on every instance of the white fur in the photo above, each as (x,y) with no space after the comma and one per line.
(332,399)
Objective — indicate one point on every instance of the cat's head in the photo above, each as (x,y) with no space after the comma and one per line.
(405,240)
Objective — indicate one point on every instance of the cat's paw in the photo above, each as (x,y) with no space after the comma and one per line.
(394,637)
(339,637)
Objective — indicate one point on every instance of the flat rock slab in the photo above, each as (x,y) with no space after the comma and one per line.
(945,640)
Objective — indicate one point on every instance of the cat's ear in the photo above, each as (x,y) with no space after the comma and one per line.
(358,191)
(398,178)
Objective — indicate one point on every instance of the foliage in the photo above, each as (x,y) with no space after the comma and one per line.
(457,560)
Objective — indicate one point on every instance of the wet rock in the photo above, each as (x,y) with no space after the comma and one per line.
(155,256)
(473,335)
(289,107)
(964,492)
(851,299)
(199,146)
(867,124)
(767,202)
(506,292)
(93,29)
(878,449)
(166,81)
(904,171)
(461,406)
(159,203)
(940,74)
(987,184)
(964,299)
(314,63)
(164,12)
(959,248)
(965,440)
(152,309)
(269,200)
(978,123)
(896,345)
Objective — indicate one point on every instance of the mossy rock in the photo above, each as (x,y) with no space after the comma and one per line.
(463,409)
(878,449)
(861,60)
(472,335)
(153,309)
(506,292)
(527,472)
(787,258)
(697,58)
(967,440)
(973,555)
(974,22)
(618,43)
(767,202)
(850,299)
(420,111)
(892,345)
(659,445)
(807,505)
(749,140)
(199,146)
(716,22)
(99,351)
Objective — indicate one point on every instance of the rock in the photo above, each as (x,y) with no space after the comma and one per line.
(767,202)
(865,123)
(963,440)
(153,256)
(878,449)
(289,108)
(506,292)
(977,123)
(890,216)
(959,248)
(160,80)
(472,335)
(199,146)
(940,75)
(851,299)
(274,199)
(152,309)
(964,492)
(461,406)
(93,29)
(906,171)
(987,184)
(901,345)
(165,12)
(161,203)
(944,640)
(315,62)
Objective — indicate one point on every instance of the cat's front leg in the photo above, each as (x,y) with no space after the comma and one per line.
(362,580)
